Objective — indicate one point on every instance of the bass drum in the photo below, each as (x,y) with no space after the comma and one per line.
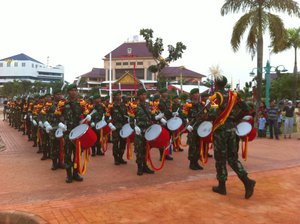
(127,132)
(59,133)
(205,131)
(157,136)
(174,123)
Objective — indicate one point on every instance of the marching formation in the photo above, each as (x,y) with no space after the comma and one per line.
(69,129)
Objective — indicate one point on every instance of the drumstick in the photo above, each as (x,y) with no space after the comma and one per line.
(94,111)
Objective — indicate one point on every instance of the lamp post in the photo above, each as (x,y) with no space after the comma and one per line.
(267,70)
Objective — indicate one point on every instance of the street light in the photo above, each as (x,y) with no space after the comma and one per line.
(267,70)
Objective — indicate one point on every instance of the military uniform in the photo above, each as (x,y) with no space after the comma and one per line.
(191,111)
(143,120)
(118,112)
(70,114)
(224,140)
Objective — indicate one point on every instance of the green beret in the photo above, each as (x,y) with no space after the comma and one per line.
(41,96)
(205,94)
(156,97)
(106,97)
(96,96)
(141,91)
(36,96)
(221,82)
(195,90)
(124,96)
(116,92)
(175,97)
(163,90)
(57,91)
(71,86)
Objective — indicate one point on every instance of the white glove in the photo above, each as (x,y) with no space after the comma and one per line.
(49,128)
(93,124)
(41,124)
(34,123)
(112,127)
(88,118)
(25,116)
(189,128)
(137,130)
(159,116)
(30,118)
(46,123)
(174,114)
(163,121)
(62,126)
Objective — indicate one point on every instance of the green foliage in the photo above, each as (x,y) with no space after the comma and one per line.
(157,48)
(281,87)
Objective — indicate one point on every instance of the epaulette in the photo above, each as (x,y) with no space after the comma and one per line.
(61,103)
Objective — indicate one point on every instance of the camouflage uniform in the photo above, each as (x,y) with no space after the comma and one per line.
(224,140)
(70,113)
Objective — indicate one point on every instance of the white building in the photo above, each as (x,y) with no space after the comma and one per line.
(23,67)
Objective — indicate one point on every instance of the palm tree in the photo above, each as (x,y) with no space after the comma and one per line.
(290,40)
(258,18)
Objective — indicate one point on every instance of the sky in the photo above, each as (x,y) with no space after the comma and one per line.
(78,34)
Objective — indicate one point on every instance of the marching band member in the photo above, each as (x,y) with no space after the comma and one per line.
(71,112)
(224,138)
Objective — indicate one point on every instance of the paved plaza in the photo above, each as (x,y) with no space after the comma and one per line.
(176,194)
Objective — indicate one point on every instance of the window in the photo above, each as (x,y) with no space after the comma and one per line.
(149,75)
(1,64)
(23,64)
(125,63)
(8,64)
(118,63)
(16,64)
(32,65)
(132,63)
(140,63)
(36,66)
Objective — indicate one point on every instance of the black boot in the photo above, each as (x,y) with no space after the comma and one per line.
(198,165)
(121,160)
(249,186)
(69,178)
(93,151)
(146,169)
(76,176)
(117,160)
(54,164)
(34,143)
(99,152)
(44,157)
(140,170)
(160,154)
(193,165)
(169,157)
(221,189)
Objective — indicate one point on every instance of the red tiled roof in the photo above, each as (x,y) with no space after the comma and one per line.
(138,49)
(95,73)
(176,71)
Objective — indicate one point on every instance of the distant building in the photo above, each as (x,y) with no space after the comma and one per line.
(23,67)
(129,64)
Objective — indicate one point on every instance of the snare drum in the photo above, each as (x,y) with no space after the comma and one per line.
(102,124)
(244,129)
(174,123)
(205,131)
(84,134)
(157,136)
(59,133)
(127,132)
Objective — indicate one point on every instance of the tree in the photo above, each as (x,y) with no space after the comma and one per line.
(281,87)
(291,40)
(258,18)
(156,48)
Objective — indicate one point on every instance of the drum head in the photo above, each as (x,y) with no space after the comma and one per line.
(78,131)
(247,118)
(204,129)
(153,132)
(243,128)
(59,133)
(174,123)
(101,124)
(126,131)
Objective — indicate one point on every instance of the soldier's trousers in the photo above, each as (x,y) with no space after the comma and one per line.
(54,148)
(69,150)
(225,150)
(140,149)
(194,146)
(34,133)
(118,144)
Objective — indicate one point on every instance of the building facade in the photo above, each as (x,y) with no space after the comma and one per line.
(22,67)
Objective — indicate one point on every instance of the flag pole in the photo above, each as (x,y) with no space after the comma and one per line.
(110,91)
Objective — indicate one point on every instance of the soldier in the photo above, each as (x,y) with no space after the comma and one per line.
(70,112)
(36,131)
(224,138)
(176,109)
(118,112)
(191,110)
(143,118)
(164,107)
(96,117)
(29,114)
